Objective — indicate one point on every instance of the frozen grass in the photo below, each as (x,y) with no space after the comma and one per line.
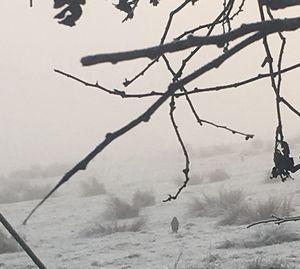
(274,264)
(265,237)
(8,244)
(247,212)
(92,187)
(213,206)
(98,230)
(143,199)
(18,191)
(272,236)
(119,209)
(233,208)
(219,174)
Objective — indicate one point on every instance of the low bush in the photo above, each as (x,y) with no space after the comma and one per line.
(101,230)
(219,174)
(232,208)
(265,237)
(274,264)
(143,199)
(118,209)
(247,212)
(215,205)
(8,244)
(18,191)
(92,187)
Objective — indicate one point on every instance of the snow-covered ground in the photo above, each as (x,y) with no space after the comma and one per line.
(55,230)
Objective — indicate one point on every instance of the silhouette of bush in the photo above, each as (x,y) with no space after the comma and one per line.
(143,199)
(118,209)
(8,244)
(274,264)
(92,187)
(265,237)
(18,191)
(247,212)
(232,208)
(219,174)
(214,205)
(272,236)
(101,230)
(194,180)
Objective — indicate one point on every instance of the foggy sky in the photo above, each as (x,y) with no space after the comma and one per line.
(47,118)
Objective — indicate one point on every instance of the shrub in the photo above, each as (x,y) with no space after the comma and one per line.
(8,244)
(272,236)
(143,199)
(118,209)
(92,187)
(234,209)
(102,230)
(214,205)
(266,237)
(274,264)
(194,180)
(18,191)
(245,213)
(219,174)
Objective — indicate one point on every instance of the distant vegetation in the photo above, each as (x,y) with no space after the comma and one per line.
(143,199)
(17,191)
(273,264)
(232,208)
(264,237)
(92,187)
(38,171)
(119,209)
(218,174)
(97,229)
(7,243)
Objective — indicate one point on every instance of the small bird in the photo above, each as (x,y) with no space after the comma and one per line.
(175,225)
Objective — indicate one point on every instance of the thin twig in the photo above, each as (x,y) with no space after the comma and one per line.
(276,220)
(199,120)
(184,150)
(127,82)
(123,94)
(284,101)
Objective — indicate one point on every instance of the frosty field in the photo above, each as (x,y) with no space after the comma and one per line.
(62,233)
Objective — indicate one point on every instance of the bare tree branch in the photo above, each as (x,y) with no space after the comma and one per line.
(279,4)
(266,27)
(185,152)
(123,94)
(283,100)
(145,117)
(276,220)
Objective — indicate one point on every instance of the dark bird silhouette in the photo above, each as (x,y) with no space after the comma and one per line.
(175,225)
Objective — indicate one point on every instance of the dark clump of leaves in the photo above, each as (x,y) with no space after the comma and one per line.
(128,6)
(70,14)
(73,11)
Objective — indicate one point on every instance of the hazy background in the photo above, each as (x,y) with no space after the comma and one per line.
(46,118)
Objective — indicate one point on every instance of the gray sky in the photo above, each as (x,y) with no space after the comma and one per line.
(47,118)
